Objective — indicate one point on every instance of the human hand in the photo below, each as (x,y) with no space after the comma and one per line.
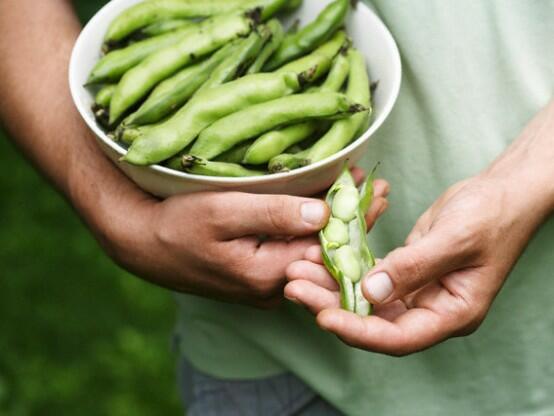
(210,244)
(440,284)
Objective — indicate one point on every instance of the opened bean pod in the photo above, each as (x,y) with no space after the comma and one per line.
(344,246)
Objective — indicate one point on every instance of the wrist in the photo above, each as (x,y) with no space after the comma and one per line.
(526,168)
(114,208)
(527,185)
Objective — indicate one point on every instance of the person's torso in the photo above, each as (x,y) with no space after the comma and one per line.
(474,73)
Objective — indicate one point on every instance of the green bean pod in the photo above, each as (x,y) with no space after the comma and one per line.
(128,136)
(203,109)
(104,96)
(321,59)
(294,27)
(206,37)
(276,142)
(204,167)
(345,251)
(286,162)
(277,35)
(115,64)
(232,65)
(312,35)
(148,12)
(257,119)
(292,6)
(152,11)
(234,155)
(165,26)
(175,91)
(344,131)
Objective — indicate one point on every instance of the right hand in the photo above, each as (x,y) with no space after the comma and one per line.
(208,243)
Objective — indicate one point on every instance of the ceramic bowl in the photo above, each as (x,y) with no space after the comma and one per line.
(369,35)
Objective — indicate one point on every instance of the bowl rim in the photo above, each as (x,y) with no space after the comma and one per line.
(75,86)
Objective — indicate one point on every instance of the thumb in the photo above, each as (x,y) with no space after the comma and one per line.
(409,268)
(276,215)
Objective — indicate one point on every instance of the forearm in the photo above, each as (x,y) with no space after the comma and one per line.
(36,39)
(527,166)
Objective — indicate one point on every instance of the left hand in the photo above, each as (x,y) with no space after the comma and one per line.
(441,284)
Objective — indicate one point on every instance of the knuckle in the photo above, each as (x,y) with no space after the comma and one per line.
(467,236)
(263,289)
(164,232)
(411,268)
(472,318)
(276,212)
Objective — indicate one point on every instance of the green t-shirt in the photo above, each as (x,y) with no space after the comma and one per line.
(474,73)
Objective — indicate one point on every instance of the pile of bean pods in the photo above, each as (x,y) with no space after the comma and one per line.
(343,241)
(220,88)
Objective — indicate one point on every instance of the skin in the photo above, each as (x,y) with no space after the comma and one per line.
(455,260)
(148,237)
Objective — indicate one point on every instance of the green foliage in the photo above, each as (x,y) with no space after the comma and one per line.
(78,335)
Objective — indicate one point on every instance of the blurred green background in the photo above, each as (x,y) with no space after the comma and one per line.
(78,336)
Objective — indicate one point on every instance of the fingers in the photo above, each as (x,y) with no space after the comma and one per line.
(415,330)
(377,208)
(411,267)
(358,174)
(272,258)
(315,273)
(240,214)
(381,188)
(314,297)
(313,254)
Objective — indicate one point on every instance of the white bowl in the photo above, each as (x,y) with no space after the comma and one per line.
(370,36)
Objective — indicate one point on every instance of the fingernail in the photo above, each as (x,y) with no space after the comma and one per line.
(379,286)
(293,300)
(313,212)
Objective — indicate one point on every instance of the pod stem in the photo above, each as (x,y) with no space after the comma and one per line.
(255,15)
(357,108)
(101,115)
(306,77)
(188,161)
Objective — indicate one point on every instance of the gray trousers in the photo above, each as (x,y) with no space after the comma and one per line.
(281,395)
